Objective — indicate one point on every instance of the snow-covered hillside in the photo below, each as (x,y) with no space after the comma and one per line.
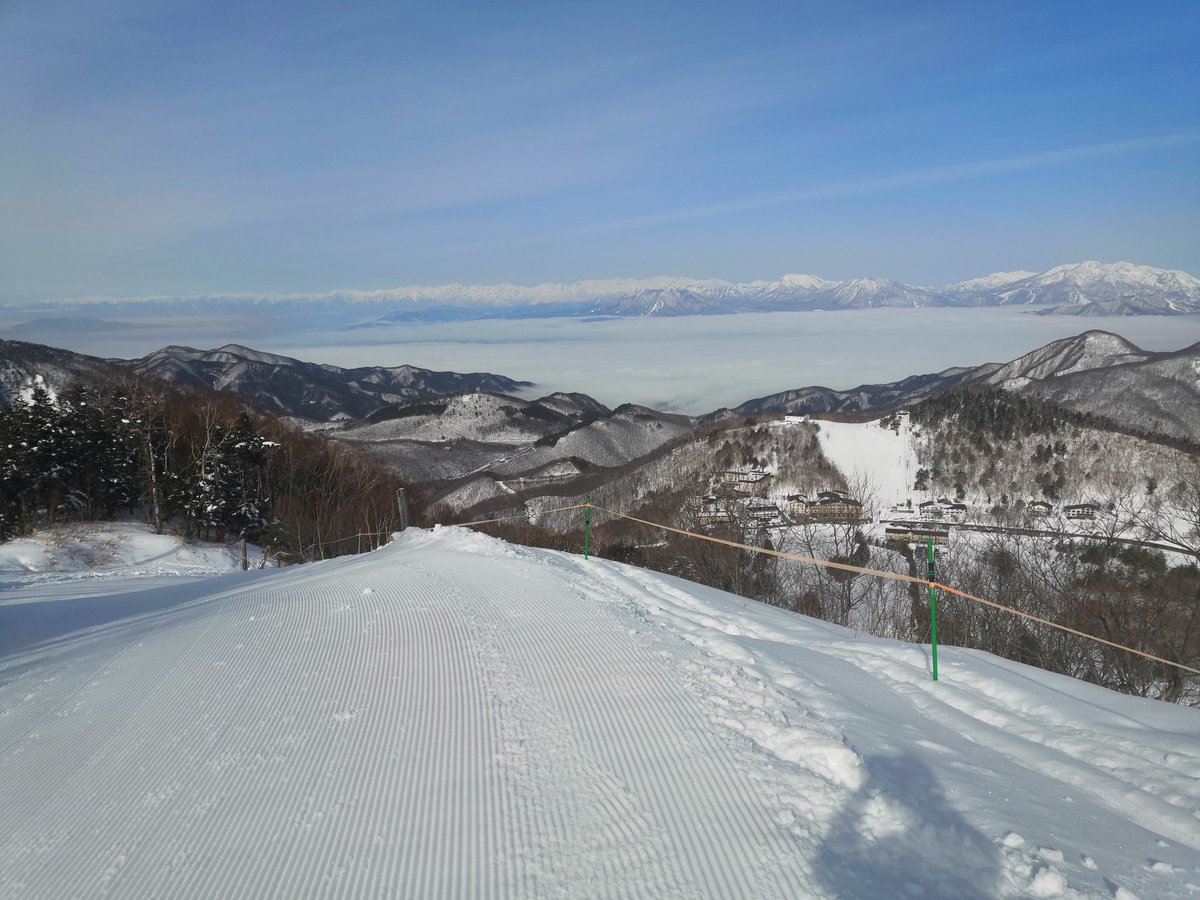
(455,716)
(1084,352)
(880,462)
(476,416)
(1076,284)
(103,549)
(625,435)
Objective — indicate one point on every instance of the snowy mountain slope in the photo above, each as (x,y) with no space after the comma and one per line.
(486,417)
(987,283)
(880,464)
(864,397)
(1094,282)
(867,293)
(437,460)
(1090,350)
(275,384)
(1159,393)
(797,292)
(882,460)
(575,406)
(24,366)
(627,433)
(454,716)
(461,435)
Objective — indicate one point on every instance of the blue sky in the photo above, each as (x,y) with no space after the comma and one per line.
(188,148)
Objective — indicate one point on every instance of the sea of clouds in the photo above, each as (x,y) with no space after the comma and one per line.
(690,364)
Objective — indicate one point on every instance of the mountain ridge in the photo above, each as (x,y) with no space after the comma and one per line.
(274,383)
(1095,372)
(1084,288)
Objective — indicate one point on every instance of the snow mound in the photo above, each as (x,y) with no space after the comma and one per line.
(112,548)
(455,716)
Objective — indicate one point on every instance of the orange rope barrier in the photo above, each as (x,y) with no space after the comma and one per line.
(847,567)
(1066,628)
(829,564)
(895,576)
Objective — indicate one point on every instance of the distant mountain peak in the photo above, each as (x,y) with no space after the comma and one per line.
(1097,338)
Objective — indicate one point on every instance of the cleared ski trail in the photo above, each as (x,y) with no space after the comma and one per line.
(455,717)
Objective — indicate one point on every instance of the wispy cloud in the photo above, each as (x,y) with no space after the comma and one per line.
(191,147)
(903,180)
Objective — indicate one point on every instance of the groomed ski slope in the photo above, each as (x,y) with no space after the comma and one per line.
(452,716)
(884,458)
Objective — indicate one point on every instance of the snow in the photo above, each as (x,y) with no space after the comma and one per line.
(474,416)
(613,441)
(1090,281)
(36,383)
(989,282)
(1074,283)
(127,549)
(884,458)
(455,716)
(1090,350)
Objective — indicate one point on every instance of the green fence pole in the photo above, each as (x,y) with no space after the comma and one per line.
(932,609)
(587,525)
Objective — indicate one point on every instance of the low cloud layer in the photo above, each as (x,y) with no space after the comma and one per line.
(690,364)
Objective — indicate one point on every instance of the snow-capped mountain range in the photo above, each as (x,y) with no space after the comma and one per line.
(1086,288)
(1089,288)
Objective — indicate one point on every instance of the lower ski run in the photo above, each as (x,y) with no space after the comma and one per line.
(453,716)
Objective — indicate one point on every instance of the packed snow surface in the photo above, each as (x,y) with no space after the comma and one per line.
(882,460)
(452,716)
(80,552)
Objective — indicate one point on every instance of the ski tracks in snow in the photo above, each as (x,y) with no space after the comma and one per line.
(388,726)
(615,784)
(454,717)
(1026,726)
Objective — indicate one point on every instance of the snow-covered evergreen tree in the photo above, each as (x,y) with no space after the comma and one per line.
(226,491)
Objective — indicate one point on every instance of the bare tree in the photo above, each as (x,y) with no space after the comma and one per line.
(1171,515)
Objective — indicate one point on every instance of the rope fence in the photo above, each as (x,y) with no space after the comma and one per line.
(861,570)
